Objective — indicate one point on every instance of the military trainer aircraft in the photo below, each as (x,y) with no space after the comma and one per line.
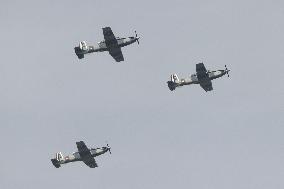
(202,77)
(111,44)
(84,154)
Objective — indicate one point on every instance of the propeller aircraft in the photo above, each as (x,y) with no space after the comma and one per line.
(110,43)
(202,77)
(84,154)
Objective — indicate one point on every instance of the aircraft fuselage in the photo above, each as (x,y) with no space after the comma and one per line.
(76,156)
(195,78)
(103,46)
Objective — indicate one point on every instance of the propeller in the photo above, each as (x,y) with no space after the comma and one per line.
(136,36)
(108,147)
(227,71)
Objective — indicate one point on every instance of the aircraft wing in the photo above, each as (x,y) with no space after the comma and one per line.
(91,162)
(108,34)
(203,77)
(207,85)
(111,43)
(82,148)
(200,68)
(116,54)
(86,155)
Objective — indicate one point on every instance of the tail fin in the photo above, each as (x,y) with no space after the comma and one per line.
(82,49)
(59,156)
(78,52)
(174,78)
(83,46)
(57,160)
(174,82)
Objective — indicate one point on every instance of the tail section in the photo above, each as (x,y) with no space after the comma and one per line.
(80,56)
(83,46)
(173,83)
(174,78)
(81,49)
(57,160)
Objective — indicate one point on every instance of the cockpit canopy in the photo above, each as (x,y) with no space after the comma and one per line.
(120,38)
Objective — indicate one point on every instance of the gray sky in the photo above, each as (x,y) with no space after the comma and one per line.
(231,137)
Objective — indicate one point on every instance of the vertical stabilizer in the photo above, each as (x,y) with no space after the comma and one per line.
(57,160)
(83,46)
(59,156)
(82,49)
(174,82)
(174,78)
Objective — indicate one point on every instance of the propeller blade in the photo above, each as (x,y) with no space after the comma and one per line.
(109,148)
(227,71)
(136,36)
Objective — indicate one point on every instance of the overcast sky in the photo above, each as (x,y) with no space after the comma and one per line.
(229,138)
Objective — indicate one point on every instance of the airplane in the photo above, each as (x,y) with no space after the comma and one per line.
(202,77)
(110,43)
(84,154)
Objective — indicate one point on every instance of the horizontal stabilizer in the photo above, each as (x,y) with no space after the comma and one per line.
(171,85)
(78,52)
(80,56)
(174,82)
(55,162)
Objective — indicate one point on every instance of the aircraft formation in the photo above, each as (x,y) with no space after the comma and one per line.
(113,45)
